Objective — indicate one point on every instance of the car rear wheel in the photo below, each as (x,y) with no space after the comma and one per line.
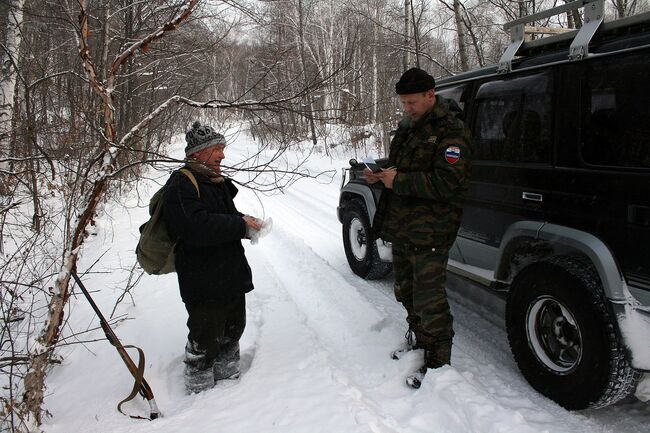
(562,335)
(360,248)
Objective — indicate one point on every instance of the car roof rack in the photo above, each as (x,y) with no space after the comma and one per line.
(593,18)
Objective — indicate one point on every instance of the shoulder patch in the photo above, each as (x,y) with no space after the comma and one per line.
(452,154)
(432,139)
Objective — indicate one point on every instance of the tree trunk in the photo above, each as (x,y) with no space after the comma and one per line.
(621,8)
(573,17)
(523,8)
(406,58)
(416,36)
(106,38)
(32,164)
(9,73)
(308,99)
(460,31)
(375,69)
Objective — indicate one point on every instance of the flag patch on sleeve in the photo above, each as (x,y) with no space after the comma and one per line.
(452,154)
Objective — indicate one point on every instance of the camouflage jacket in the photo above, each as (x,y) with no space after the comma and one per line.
(433,160)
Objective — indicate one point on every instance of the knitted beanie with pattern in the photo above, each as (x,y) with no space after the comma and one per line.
(201,137)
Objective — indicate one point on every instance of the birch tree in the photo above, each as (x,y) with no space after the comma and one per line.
(9,54)
(408,28)
(34,381)
(460,30)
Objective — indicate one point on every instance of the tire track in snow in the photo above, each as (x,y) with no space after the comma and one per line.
(355,336)
(318,213)
(480,350)
(364,411)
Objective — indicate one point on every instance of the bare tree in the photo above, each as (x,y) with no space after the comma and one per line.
(301,46)
(34,380)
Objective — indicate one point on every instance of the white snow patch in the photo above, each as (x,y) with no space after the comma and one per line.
(643,389)
(635,327)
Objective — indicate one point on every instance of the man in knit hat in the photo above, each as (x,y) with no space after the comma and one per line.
(213,273)
(420,210)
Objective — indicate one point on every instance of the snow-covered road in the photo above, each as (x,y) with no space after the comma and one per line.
(315,353)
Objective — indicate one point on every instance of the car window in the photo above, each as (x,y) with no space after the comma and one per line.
(615,118)
(455,93)
(514,119)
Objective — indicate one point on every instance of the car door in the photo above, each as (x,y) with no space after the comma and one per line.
(606,179)
(512,128)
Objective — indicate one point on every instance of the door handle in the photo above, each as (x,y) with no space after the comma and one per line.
(531,196)
(638,214)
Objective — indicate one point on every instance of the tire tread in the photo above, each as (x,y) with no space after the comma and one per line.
(376,268)
(622,378)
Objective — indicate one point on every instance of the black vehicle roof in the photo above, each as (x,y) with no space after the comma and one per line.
(626,33)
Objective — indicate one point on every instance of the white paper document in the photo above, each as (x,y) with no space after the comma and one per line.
(372,165)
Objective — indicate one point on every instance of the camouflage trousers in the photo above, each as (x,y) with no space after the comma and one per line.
(420,287)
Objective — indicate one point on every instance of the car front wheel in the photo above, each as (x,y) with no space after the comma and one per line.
(360,248)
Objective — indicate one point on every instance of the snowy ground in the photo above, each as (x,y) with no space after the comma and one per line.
(315,352)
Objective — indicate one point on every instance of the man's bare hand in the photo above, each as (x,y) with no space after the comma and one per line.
(370,176)
(252,222)
(387,175)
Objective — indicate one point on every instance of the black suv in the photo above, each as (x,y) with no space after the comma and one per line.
(557,221)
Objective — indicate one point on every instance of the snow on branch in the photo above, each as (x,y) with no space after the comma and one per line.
(143,44)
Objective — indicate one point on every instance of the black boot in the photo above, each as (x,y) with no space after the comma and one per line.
(436,357)
(414,380)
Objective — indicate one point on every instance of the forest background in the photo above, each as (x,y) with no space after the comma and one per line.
(91,92)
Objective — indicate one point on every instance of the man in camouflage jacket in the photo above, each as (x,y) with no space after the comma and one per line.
(420,211)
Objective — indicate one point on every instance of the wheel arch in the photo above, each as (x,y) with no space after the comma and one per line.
(527,242)
(353,191)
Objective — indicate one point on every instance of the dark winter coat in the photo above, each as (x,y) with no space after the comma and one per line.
(433,159)
(210,260)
